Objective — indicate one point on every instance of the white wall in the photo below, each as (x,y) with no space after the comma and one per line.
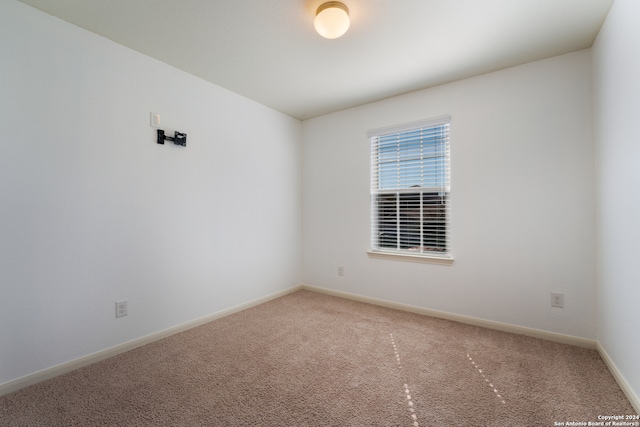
(523,210)
(617,104)
(92,210)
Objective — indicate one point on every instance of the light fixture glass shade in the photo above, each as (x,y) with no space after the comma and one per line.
(332,20)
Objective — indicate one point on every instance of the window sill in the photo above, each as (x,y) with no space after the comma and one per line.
(429,259)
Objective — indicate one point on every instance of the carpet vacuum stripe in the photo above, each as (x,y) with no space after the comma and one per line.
(412,410)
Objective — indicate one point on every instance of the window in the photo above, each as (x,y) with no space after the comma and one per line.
(410,189)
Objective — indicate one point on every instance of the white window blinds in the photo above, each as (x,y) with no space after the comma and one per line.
(410,188)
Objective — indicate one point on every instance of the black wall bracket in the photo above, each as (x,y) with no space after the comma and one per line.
(179,138)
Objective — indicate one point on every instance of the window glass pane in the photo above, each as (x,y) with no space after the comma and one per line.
(416,158)
(434,226)
(404,223)
(387,220)
(409,216)
(404,219)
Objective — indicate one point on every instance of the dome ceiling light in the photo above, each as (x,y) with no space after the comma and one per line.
(332,19)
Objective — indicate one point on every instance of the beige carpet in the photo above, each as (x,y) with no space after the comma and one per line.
(308,359)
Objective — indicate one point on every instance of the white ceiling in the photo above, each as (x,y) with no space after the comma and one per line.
(268,50)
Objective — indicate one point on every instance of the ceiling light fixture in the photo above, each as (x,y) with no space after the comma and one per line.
(332,19)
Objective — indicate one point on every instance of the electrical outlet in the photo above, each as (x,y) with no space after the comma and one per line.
(155,120)
(557,300)
(340,270)
(121,308)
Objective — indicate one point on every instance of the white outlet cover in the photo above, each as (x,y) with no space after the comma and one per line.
(154,120)
(557,299)
(121,308)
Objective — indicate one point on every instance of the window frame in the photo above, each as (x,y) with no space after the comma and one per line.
(432,180)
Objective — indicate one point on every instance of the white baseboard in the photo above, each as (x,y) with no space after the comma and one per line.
(505,327)
(63,368)
(622,382)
